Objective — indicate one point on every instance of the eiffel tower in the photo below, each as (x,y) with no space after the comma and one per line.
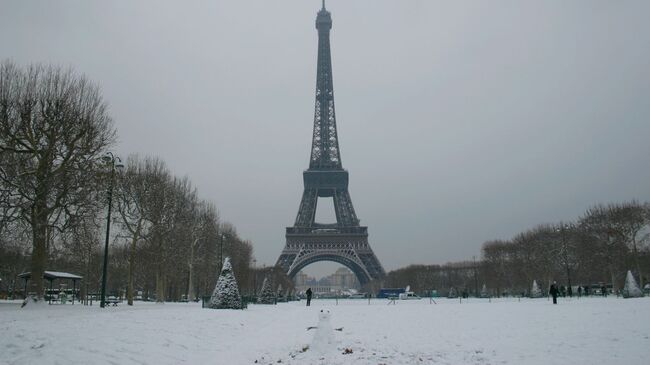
(344,242)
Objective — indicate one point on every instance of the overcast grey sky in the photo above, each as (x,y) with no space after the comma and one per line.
(459,121)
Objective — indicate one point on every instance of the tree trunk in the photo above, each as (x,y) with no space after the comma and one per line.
(190,285)
(611,251)
(129,291)
(160,285)
(636,262)
(612,273)
(86,279)
(134,241)
(39,254)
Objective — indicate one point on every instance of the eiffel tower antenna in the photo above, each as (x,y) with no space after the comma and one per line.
(344,242)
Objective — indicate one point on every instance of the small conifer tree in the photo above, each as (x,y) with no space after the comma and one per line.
(535,292)
(631,289)
(226,292)
(484,292)
(267,296)
(452,293)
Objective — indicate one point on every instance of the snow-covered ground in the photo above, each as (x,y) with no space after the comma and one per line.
(504,331)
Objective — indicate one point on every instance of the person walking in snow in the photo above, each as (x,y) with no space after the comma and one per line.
(554,292)
(308,292)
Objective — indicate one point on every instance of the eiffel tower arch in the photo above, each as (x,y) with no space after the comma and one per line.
(344,242)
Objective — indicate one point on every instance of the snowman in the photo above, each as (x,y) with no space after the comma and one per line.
(324,340)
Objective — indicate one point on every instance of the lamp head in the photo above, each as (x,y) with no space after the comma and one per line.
(119,163)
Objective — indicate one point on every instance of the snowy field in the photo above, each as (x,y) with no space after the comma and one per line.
(532,331)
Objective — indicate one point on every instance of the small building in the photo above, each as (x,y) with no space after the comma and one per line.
(51,276)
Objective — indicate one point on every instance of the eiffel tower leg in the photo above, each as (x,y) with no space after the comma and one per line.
(307,210)
(345,214)
(371,263)
(286,259)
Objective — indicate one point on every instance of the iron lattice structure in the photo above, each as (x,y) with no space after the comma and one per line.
(344,242)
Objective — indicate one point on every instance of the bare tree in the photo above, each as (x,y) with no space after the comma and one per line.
(535,254)
(206,217)
(159,210)
(628,220)
(497,258)
(81,247)
(182,233)
(54,128)
(600,223)
(133,197)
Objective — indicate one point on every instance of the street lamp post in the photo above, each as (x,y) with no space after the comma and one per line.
(111,159)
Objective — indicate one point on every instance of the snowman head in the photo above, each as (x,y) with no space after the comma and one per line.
(324,315)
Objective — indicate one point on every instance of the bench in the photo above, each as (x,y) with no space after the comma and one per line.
(112,301)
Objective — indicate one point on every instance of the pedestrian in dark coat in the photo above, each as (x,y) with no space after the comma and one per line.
(308,292)
(554,292)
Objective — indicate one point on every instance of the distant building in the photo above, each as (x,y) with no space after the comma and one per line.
(343,279)
(301,279)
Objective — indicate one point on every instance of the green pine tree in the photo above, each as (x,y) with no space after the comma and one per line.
(226,292)
(267,296)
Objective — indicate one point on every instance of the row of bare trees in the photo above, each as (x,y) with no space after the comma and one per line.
(171,235)
(598,248)
(54,134)
(462,276)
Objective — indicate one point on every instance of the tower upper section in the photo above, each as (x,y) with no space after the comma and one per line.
(325,154)
(323,19)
